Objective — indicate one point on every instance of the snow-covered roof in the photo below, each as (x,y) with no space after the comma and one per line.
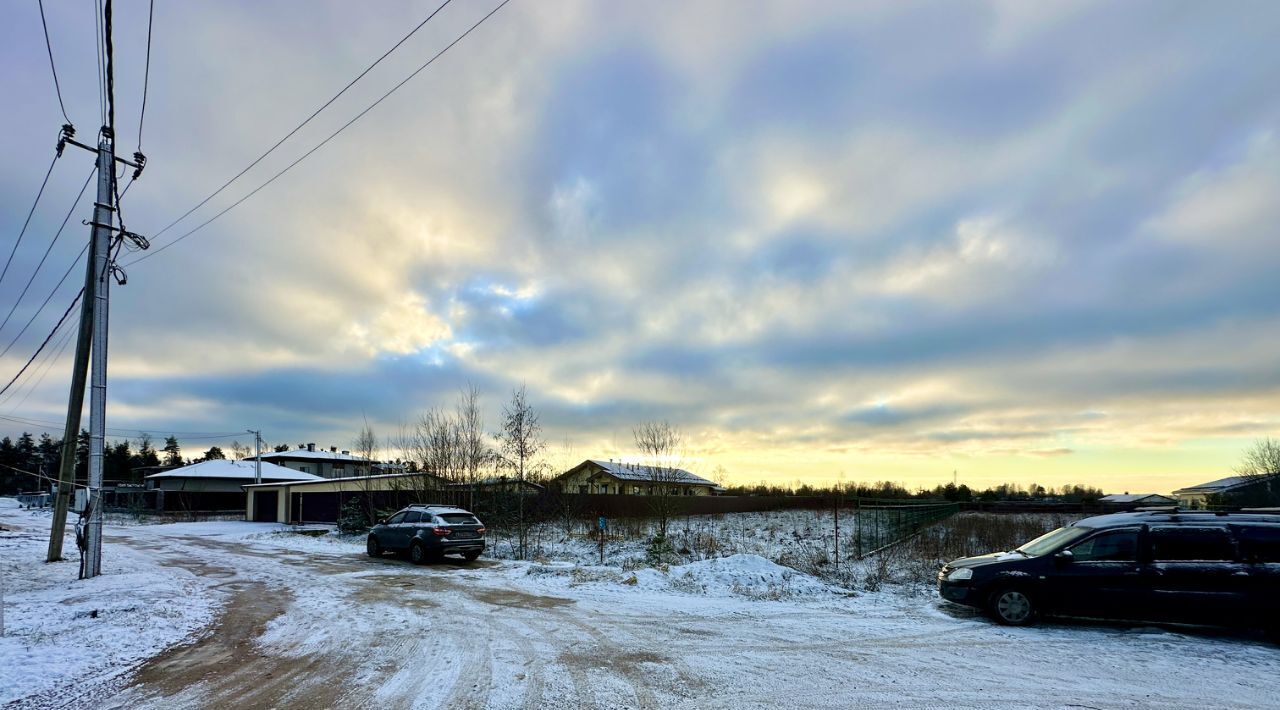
(224,468)
(1131,497)
(640,472)
(1223,484)
(317,455)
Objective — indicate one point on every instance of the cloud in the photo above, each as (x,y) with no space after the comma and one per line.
(876,237)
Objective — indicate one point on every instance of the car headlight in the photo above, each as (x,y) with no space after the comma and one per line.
(960,575)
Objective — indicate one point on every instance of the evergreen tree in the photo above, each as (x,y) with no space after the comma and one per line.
(10,480)
(117,462)
(172,452)
(146,455)
(50,452)
(213,454)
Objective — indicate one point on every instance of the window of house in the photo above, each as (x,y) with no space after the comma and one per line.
(1116,546)
(635,490)
(583,489)
(1199,544)
(304,469)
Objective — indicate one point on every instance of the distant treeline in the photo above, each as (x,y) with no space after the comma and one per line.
(1069,493)
(27,463)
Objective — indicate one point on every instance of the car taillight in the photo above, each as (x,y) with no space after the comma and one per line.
(442,532)
(480,531)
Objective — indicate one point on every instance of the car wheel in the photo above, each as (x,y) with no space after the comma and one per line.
(372,546)
(1013,607)
(417,553)
(470,556)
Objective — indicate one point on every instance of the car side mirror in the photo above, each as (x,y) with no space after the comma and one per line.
(382,521)
(1065,556)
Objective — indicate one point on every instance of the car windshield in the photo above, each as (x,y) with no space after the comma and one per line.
(1051,541)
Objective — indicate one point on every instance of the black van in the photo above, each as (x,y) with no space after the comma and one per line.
(1174,566)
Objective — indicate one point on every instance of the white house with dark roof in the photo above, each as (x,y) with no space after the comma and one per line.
(330,463)
(221,476)
(1136,499)
(610,477)
(1197,496)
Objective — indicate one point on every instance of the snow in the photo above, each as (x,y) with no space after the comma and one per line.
(327,626)
(242,470)
(55,625)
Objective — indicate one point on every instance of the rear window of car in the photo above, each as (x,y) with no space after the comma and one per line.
(1191,544)
(1260,544)
(459,519)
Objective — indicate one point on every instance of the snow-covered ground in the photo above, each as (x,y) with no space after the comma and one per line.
(303,621)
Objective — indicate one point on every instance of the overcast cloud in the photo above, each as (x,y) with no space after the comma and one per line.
(1023,240)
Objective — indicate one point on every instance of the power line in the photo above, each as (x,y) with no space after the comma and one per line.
(49,46)
(333,135)
(50,361)
(102,83)
(146,77)
(46,342)
(28,222)
(111,82)
(117,431)
(48,298)
(58,234)
(299,127)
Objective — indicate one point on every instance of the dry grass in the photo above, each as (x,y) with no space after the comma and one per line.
(916,561)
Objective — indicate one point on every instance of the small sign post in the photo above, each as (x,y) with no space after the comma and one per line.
(601,523)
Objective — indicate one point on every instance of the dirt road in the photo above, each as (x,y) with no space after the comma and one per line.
(300,629)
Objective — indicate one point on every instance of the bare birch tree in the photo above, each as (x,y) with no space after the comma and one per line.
(659,443)
(474,452)
(520,442)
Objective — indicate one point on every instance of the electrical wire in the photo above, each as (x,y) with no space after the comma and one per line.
(111,81)
(50,361)
(146,77)
(102,84)
(48,298)
(56,235)
(299,127)
(324,142)
(46,342)
(49,46)
(118,431)
(30,212)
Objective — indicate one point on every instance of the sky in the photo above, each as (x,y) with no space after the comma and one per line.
(1001,240)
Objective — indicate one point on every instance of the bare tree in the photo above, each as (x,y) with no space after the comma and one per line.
(660,446)
(474,452)
(239,451)
(1260,463)
(1260,459)
(520,442)
(434,442)
(365,446)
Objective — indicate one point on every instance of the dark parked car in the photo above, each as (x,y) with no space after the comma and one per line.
(1184,567)
(428,532)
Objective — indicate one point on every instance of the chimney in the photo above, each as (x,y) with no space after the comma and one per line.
(346,453)
(333,449)
(311,446)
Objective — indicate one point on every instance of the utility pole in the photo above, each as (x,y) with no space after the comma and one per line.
(103,223)
(92,342)
(75,401)
(257,459)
